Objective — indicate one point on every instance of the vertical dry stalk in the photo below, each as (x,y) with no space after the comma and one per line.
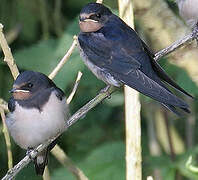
(46,175)
(8,55)
(7,139)
(132,112)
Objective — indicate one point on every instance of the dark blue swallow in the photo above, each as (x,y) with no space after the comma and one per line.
(38,111)
(115,54)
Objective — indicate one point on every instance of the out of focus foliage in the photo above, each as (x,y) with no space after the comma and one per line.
(44,32)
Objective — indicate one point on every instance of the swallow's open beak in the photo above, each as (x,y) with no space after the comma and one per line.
(84,19)
(15,90)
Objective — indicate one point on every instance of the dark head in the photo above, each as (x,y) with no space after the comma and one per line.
(93,16)
(29,83)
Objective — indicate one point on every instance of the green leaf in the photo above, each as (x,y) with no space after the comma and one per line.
(105,162)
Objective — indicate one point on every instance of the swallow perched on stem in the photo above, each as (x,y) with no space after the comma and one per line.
(38,111)
(114,52)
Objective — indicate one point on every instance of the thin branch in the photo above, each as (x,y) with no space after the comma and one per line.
(8,55)
(64,59)
(7,139)
(67,163)
(179,43)
(69,99)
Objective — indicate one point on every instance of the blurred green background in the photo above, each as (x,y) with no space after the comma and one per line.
(39,33)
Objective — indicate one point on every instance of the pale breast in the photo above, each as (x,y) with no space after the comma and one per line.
(30,127)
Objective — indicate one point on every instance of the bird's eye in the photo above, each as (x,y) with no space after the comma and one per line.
(29,85)
(98,15)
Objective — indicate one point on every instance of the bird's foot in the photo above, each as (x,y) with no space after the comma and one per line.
(105,90)
(195,31)
(28,153)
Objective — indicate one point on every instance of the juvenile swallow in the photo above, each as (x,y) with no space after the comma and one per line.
(115,54)
(38,111)
(188,10)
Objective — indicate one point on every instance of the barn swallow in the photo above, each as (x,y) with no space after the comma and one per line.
(114,52)
(188,10)
(38,111)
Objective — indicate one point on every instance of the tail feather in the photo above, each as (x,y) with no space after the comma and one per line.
(162,74)
(40,162)
(154,89)
(42,159)
(174,109)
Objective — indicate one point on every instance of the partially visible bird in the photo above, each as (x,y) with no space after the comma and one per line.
(115,54)
(188,10)
(38,111)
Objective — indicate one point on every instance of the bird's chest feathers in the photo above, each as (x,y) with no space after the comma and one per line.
(30,127)
(99,72)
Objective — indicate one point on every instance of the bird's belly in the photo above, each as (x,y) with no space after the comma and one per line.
(30,127)
(100,73)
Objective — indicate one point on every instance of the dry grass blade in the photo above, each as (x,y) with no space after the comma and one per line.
(132,112)
(69,99)
(8,55)
(7,139)
(64,59)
